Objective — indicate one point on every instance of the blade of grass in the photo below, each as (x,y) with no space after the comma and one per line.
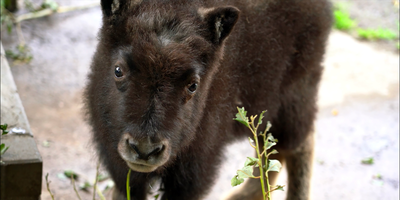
(128,188)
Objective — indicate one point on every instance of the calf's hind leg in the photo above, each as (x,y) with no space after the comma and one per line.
(299,167)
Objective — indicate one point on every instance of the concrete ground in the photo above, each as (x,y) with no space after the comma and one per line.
(358,112)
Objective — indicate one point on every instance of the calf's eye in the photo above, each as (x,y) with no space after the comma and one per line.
(192,88)
(118,72)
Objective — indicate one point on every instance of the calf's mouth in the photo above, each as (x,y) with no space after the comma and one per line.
(143,155)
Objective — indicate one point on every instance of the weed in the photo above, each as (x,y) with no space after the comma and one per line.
(368,161)
(48,186)
(22,54)
(264,164)
(375,34)
(342,18)
(73,184)
(4,131)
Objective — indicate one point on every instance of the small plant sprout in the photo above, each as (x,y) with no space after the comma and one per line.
(4,131)
(343,20)
(368,161)
(266,165)
(48,186)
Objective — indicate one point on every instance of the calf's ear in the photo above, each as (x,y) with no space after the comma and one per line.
(219,22)
(111,7)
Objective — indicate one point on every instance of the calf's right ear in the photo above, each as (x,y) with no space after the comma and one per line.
(219,22)
(112,7)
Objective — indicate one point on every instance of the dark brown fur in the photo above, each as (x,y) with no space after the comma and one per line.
(268,58)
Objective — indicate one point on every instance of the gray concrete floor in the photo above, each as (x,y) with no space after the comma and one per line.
(360,83)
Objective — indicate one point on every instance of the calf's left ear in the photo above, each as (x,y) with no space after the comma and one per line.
(219,22)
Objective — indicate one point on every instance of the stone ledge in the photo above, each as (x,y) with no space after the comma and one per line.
(21,165)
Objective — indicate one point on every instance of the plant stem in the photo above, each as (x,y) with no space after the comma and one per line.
(266,160)
(73,184)
(48,186)
(260,166)
(48,11)
(95,182)
(269,193)
(128,188)
(100,194)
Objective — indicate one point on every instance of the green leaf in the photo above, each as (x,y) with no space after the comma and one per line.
(261,117)
(245,172)
(70,173)
(241,117)
(250,161)
(4,129)
(268,144)
(3,148)
(109,184)
(156,196)
(61,176)
(102,177)
(251,140)
(368,161)
(271,141)
(85,186)
(378,176)
(273,151)
(50,4)
(236,181)
(274,165)
(279,187)
(46,143)
(269,125)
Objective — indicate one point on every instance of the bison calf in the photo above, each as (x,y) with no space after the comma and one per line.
(168,75)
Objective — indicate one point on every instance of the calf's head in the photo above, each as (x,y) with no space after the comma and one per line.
(150,77)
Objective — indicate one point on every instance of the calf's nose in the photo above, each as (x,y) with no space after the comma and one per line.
(145,149)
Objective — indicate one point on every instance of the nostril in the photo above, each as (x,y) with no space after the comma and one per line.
(133,146)
(144,151)
(157,150)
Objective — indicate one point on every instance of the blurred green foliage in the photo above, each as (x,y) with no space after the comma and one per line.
(375,34)
(342,18)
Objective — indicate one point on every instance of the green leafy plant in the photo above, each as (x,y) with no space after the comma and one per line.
(342,18)
(375,34)
(71,174)
(22,54)
(368,161)
(262,161)
(84,186)
(344,22)
(4,131)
